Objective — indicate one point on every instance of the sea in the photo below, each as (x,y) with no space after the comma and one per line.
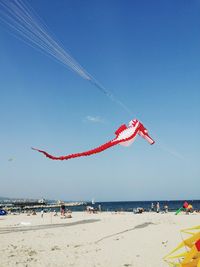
(131,206)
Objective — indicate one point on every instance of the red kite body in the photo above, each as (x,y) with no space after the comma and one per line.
(125,136)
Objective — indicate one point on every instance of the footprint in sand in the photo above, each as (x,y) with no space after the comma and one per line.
(55,248)
(32,253)
(77,246)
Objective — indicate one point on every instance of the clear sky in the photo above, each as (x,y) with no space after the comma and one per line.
(147,53)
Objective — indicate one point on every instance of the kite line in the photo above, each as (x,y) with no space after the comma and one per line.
(28,26)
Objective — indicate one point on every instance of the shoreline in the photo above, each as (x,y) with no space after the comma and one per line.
(126,206)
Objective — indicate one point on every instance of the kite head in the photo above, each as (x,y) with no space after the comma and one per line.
(142,131)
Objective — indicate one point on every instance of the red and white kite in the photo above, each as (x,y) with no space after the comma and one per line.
(124,136)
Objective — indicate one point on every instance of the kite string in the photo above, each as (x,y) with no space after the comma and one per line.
(34,31)
(24,21)
(38,36)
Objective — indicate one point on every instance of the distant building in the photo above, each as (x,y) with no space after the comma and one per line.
(42,201)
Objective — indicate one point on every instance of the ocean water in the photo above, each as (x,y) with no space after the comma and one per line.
(131,205)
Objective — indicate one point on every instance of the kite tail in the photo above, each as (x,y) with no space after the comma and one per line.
(85,153)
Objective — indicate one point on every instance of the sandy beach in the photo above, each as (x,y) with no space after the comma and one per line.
(101,240)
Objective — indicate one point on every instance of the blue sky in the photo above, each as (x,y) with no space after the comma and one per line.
(147,54)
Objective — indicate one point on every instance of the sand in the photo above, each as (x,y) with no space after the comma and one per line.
(91,240)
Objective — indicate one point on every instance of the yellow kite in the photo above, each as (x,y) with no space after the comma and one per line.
(190,256)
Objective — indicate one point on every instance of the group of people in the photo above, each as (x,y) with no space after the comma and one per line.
(65,213)
(156,207)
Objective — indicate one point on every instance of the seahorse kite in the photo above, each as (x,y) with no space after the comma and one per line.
(124,136)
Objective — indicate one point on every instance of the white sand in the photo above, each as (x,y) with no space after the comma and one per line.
(89,240)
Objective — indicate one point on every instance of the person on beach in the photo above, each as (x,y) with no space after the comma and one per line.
(55,213)
(62,210)
(99,207)
(42,213)
(152,206)
(189,209)
(166,208)
(157,207)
